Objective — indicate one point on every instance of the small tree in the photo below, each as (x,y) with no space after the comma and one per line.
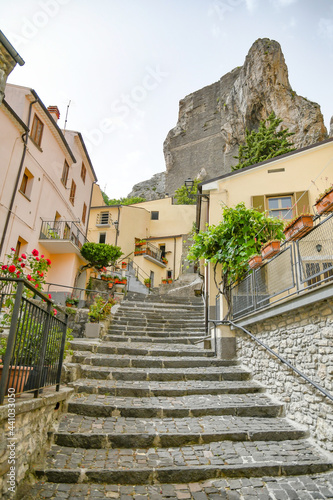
(264,144)
(237,237)
(122,201)
(100,254)
(183,198)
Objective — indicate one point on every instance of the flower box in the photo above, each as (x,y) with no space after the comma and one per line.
(139,252)
(164,281)
(270,249)
(255,261)
(123,265)
(325,203)
(298,227)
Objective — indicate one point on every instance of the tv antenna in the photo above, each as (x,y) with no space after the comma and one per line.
(67,114)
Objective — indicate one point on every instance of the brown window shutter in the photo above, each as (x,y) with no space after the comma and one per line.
(302,202)
(258,203)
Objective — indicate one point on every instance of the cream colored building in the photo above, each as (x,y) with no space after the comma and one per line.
(46,180)
(284,187)
(162,225)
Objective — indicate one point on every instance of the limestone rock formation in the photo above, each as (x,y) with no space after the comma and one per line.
(151,189)
(212,121)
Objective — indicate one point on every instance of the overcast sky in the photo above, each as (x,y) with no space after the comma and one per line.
(125,64)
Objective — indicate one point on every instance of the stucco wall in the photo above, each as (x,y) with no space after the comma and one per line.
(305,338)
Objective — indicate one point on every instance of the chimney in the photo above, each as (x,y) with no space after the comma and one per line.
(55,113)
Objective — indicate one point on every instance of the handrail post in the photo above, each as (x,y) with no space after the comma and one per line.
(61,354)
(11,340)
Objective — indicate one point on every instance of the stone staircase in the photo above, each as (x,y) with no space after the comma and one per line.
(156,416)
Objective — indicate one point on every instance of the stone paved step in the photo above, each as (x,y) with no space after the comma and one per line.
(244,405)
(165,374)
(118,432)
(302,487)
(157,320)
(139,330)
(161,340)
(142,388)
(154,333)
(115,360)
(139,348)
(181,464)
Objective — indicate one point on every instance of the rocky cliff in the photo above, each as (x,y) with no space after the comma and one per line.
(212,121)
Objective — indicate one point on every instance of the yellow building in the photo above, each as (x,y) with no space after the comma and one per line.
(283,187)
(161,225)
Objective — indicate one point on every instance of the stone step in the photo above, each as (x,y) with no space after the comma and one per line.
(165,374)
(158,319)
(118,432)
(145,338)
(114,360)
(159,306)
(154,334)
(252,405)
(141,349)
(252,488)
(143,388)
(181,464)
(144,330)
(142,314)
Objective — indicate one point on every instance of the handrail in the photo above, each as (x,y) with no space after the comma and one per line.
(283,360)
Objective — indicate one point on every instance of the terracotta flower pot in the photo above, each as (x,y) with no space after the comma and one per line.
(270,249)
(18,376)
(325,204)
(299,227)
(255,261)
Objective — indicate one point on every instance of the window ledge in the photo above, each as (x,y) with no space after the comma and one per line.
(35,144)
(25,196)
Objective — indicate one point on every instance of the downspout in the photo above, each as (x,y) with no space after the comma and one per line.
(174,257)
(25,142)
(117,229)
(87,221)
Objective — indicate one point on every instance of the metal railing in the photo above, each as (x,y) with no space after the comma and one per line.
(36,339)
(298,268)
(61,292)
(150,249)
(62,230)
(283,360)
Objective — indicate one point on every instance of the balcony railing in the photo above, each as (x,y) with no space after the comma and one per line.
(62,231)
(151,252)
(299,267)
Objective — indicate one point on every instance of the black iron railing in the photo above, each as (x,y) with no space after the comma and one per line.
(149,249)
(36,339)
(300,266)
(62,230)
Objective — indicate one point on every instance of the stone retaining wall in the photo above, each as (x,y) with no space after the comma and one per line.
(28,437)
(305,338)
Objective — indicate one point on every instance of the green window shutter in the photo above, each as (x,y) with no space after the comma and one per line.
(302,204)
(258,203)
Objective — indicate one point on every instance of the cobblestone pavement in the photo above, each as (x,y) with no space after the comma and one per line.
(311,487)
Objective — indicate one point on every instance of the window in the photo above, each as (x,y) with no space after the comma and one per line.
(154,215)
(103,219)
(65,171)
(26,183)
(84,213)
(37,130)
(83,173)
(20,246)
(169,275)
(72,193)
(102,237)
(280,207)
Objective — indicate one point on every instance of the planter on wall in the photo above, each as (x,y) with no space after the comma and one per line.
(299,227)
(270,249)
(325,203)
(18,376)
(255,261)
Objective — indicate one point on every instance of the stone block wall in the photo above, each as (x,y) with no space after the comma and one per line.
(304,337)
(26,439)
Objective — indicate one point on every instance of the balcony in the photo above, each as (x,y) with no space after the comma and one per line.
(151,253)
(61,237)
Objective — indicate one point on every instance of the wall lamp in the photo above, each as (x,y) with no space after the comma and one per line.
(319,247)
(189,183)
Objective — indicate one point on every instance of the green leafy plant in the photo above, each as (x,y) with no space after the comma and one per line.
(265,143)
(100,309)
(100,254)
(72,300)
(239,235)
(122,201)
(182,197)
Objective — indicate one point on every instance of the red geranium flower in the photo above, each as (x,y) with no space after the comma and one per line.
(29,277)
(48,261)
(24,256)
(37,258)
(11,268)
(23,265)
(13,249)
(42,256)
(35,252)
(55,312)
(50,296)
(19,259)
(4,268)
(18,274)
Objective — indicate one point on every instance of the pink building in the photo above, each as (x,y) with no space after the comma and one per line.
(46,180)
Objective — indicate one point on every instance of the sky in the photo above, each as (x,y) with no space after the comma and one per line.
(123,65)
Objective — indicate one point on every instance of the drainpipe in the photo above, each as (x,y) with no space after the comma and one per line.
(174,258)
(117,229)
(25,137)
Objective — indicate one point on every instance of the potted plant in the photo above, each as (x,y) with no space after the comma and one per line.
(140,243)
(72,301)
(147,282)
(270,248)
(98,311)
(164,260)
(299,226)
(169,280)
(124,265)
(255,261)
(324,202)
(164,281)
(18,375)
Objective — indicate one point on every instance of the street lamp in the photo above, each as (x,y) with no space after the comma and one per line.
(189,186)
